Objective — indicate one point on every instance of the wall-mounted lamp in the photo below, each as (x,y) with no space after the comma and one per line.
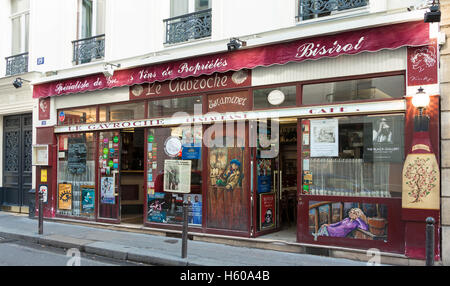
(434,15)
(421,100)
(109,69)
(235,44)
(18,82)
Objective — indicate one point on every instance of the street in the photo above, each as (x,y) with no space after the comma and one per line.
(20,253)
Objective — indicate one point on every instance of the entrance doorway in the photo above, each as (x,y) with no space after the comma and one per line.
(132,179)
(17,166)
(276,181)
(121,174)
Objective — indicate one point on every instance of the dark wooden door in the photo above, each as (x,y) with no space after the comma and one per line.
(17,166)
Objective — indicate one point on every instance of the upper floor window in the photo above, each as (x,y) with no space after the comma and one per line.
(182,7)
(190,19)
(92,22)
(17,62)
(310,9)
(20,17)
(91,36)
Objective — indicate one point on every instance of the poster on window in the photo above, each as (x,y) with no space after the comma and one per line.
(177,176)
(65,197)
(194,203)
(325,138)
(107,190)
(384,139)
(156,211)
(87,199)
(267,211)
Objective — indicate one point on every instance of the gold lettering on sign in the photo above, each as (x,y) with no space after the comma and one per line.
(421,147)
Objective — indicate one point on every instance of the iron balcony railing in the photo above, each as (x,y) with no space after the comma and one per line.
(17,64)
(309,9)
(88,49)
(188,27)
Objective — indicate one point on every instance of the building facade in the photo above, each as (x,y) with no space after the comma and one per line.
(296,120)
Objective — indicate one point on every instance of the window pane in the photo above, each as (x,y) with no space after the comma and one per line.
(354,156)
(101,12)
(76,175)
(27,31)
(201,5)
(168,107)
(86,19)
(362,89)
(179,7)
(18,6)
(16,36)
(120,112)
(76,116)
(164,173)
(261,97)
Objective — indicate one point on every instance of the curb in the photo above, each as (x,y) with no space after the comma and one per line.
(114,251)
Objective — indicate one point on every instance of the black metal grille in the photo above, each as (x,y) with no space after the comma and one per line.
(17,64)
(188,27)
(309,9)
(88,49)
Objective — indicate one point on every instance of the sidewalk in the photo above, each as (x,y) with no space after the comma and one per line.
(153,249)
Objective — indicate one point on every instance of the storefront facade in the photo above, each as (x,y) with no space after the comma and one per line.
(309,136)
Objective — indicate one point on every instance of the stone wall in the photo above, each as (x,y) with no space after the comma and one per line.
(445,132)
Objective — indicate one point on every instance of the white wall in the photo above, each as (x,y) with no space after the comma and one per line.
(53,27)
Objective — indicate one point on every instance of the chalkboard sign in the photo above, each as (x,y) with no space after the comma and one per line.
(77,154)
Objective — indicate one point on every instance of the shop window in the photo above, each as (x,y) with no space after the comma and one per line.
(76,175)
(362,89)
(77,116)
(122,112)
(353,156)
(169,107)
(174,166)
(284,96)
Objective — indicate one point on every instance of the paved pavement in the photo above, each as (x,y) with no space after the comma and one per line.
(152,249)
(22,253)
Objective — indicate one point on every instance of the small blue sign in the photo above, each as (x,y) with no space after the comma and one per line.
(40,61)
(191,153)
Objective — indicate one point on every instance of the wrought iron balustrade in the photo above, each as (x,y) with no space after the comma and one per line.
(88,49)
(309,9)
(188,27)
(17,64)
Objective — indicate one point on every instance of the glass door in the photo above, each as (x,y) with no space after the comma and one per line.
(268,175)
(109,176)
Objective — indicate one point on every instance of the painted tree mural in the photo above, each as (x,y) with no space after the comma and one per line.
(421,178)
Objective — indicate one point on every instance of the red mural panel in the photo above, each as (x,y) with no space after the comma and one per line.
(423,64)
(227,195)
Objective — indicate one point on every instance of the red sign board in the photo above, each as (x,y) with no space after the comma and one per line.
(192,85)
(44,109)
(423,64)
(347,43)
(229,102)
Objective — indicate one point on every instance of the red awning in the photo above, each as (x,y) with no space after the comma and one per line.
(347,43)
